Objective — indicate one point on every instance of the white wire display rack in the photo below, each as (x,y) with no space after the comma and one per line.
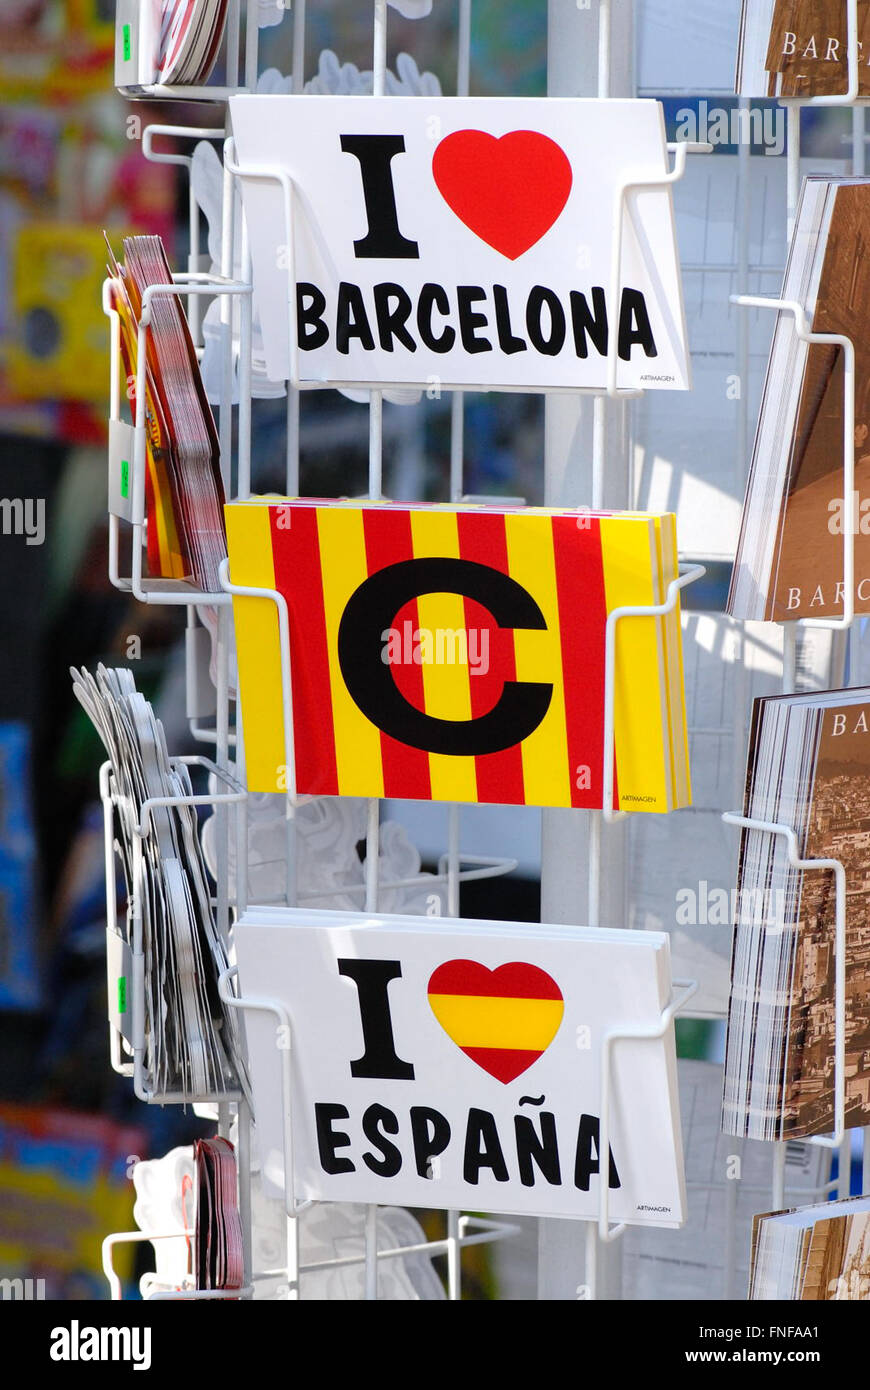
(127,447)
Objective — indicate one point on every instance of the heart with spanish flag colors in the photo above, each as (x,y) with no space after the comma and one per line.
(503,1019)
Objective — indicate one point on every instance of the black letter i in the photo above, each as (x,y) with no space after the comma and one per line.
(372,979)
(384,239)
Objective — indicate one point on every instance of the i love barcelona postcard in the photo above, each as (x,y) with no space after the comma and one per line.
(458,1064)
(463,241)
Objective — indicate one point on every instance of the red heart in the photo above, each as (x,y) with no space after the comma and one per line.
(509,191)
(503,1019)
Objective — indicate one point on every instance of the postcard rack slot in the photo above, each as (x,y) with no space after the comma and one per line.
(687,575)
(803,331)
(275,173)
(836,867)
(153,591)
(683,991)
(125,953)
(137,31)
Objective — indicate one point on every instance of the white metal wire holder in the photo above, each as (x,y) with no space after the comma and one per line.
(634,183)
(292,1208)
(277,174)
(159,1294)
(231,591)
(155,1295)
(685,989)
(183,161)
(804,332)
(687,575)
(131,943)
(836,867)
(489,868)
(486,866)
(473,1230)
(850,98)
(170,592)
(487,1231)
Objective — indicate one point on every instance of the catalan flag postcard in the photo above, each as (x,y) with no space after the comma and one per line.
(468,240)
(458,1064)
(457,653)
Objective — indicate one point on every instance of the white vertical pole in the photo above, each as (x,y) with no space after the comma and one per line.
(789,658)
(457,402)
(379,58)
(789,636)
(372,854)
(742,319)
(454,1263)
(243,475)
(592,1252)
(233,27)
(293,393)
(599,450)
(859,147)
(457,490)
(779,1150)
(193,305)
(292,1239)
(457,446)
(603,85)
(252,41)
(371,1268)
(793,164)
(463,60)
(376,445)
(729,1260)
(241,820)
(298,68)
(225,413)
(590,53)
(222,760)
(859,169)
(844,1164)
(292,481)
(453,829)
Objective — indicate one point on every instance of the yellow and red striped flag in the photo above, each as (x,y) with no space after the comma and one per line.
(456,653)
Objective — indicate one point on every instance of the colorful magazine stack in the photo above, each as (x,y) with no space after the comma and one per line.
(790,554)
(457,653)
(808,769)
(183,488)
(190,37)
(174,42)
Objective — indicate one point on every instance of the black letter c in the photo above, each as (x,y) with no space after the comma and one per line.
(373,607)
